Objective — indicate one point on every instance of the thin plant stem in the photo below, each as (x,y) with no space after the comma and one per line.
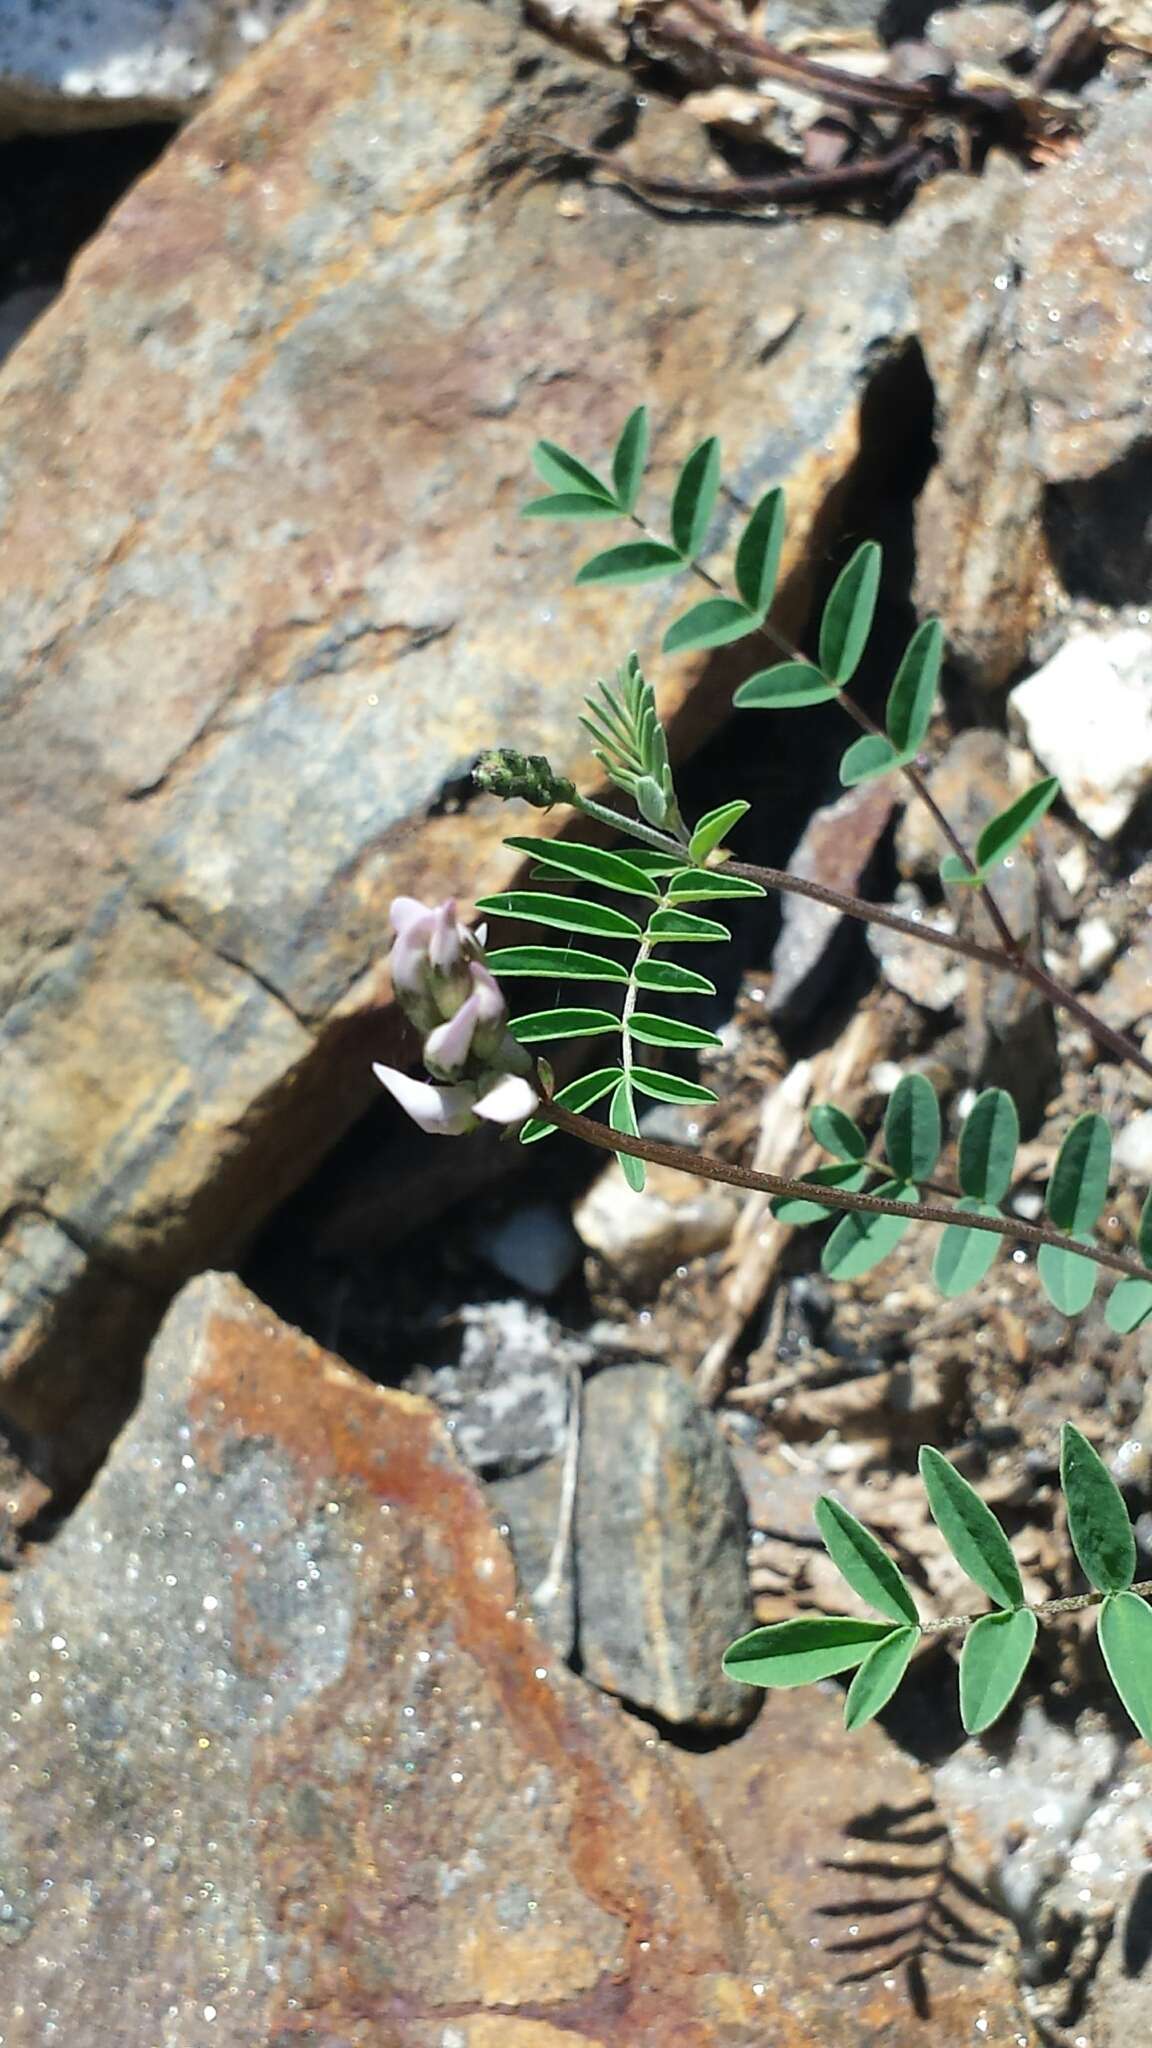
(706,1166)
(786,884)
(1045,1610)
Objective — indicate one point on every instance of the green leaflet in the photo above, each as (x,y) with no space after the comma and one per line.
(671,978)
(1144,1232)
(1128,1305)
(860,1241)
(588,864)
(649,1029)
(992,1663)
(569,505)
(789,683)
(988,1144)
(622,1117)
(839,1133)
(563,471)
(1005,832)
(863,1562)
(566,913)
(867,757)
(578,1095)
(704,885)
(848,614)
(1125,1630)
(801,1209)
(970,1530)
(541,1025)
(1078,1188)
(670,1087)
(912,1133)
(964,1256)
(630,458)
(758,555)
(634,561)
(694,498)
(712,623)
(556,963)
(714,827)
(684,927)
(788,1653)
(913,693)
(1097,1517)
(1068,1280)
(878,1677)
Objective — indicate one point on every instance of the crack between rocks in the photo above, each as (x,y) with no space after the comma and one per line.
(169,916)
(97,1255)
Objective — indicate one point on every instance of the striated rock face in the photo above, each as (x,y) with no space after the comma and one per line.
(72,65)
(283,1761)
(266,594)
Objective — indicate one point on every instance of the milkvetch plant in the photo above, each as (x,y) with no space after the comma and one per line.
(656,876)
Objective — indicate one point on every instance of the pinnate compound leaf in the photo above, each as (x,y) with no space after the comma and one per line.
(970,1530)
(694,498)
(878,1677)
(863,1562)
(1097,1517)
(988,1144)
(801,1209)
(672,978)
(963,1256)
(839,1133)
(860,1241)
(588,864)
(650,1029)
(789,685)
(540,1025)
(992,1663)
(913,693)
(758,555)
(622,1117)
(912,1134)
(630,458)
(565,913)
(1005,832)
(714,826)
(1128,1305)
(579,1095)
(634,561)
(684,927)
(1078,1188)
(1068,1280)
(848,614)
(670,1087)
(712,623)
(555,963)
(798,1652)
(867,757)
(1125,1630)
(569,505)
(699,885)
(563,471)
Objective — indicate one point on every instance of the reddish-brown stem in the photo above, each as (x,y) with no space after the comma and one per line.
(705,1166)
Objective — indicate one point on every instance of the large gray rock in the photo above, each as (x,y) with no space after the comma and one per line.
(266,594)
(72,65)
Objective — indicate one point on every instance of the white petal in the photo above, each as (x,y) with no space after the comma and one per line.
(442,1112)
(508,1101)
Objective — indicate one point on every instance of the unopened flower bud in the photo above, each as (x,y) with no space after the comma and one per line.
(504,772)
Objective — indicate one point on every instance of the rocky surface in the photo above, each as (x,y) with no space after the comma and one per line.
(74,66)
(1087,716)
(266,595)
(838,848)
(281,1753)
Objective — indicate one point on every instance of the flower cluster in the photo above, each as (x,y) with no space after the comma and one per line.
(443,984)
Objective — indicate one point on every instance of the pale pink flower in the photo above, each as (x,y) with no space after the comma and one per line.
(442,1112)
(509,1100)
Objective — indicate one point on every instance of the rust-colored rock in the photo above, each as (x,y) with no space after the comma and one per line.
(284,1761)
(266,593)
